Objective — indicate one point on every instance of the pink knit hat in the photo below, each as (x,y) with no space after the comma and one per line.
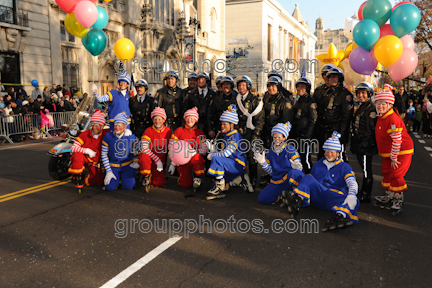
(386,96)
(97,118)
(159,112)
(192,113)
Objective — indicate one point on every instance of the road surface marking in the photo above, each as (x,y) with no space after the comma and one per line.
(422,141)
(417,136)
(141,263)
(415,133)
(428,148)
(31,190)
(26,145)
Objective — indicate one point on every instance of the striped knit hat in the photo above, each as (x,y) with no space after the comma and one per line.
(124,77)
(122,118)
(230,115)
(281,128)
(158,112)
(332,143)
(386,96)
(192,113)
(97,118)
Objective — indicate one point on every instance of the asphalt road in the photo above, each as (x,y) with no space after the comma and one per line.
(50,236)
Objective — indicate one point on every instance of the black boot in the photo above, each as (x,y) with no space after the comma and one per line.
(265,179)
(253,172)
(365,193)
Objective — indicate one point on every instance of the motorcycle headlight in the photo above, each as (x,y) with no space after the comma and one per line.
(74,130)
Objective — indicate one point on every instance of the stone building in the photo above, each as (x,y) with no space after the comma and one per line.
(272,34)
(325,37)
(36,44)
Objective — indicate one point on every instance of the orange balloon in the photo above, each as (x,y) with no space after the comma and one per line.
(107,1)
(388,50)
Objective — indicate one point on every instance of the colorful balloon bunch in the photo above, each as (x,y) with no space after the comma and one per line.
(388,44)
(86,21)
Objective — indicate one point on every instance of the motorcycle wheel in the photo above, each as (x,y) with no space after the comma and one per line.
(58,167)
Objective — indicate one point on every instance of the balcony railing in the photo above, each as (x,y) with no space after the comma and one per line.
(8,15)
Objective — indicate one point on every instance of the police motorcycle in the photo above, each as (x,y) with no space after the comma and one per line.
(59,161)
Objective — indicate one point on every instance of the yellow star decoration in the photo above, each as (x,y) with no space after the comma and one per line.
(333,56)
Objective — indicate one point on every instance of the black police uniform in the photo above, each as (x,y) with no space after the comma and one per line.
(195,99)
(171,99)
(305,118)
(217,106)
(319,92)
(250,103)
(363,144)
(277,109)
(335,111)
(140,113)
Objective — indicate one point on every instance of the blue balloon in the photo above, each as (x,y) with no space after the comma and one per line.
(35,83)
(102,19)
(366,33)
(405,19)
(95,41)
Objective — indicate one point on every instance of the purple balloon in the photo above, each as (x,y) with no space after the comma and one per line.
(362,61)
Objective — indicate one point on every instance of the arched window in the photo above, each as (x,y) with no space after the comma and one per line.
(213,17)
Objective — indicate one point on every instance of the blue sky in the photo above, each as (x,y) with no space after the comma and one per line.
(333,12)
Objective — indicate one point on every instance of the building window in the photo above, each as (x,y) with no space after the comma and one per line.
(71,75)
(213,17)
(172,12)
(65,35)
(8,14)
(269,42)
(10,68)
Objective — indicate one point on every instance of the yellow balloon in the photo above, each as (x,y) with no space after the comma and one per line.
(107,1)
(73,26)
(388,50)
(124,49)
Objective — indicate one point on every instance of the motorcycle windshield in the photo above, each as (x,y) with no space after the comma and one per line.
(82,114)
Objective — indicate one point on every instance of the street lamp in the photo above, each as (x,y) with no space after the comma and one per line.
(197,27)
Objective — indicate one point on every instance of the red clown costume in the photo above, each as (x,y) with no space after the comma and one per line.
(154,148)
(87,152)
(394,144)
(196,138)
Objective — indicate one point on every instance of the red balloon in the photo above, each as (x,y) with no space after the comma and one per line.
(360,12)
(386,30)
(69,5)
(401,3)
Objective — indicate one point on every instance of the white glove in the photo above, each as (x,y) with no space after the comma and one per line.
(210,146)
(171,169)
(89,152)
(128,132)
(108,177)
(259,157)
(296,165)
(351,200)
(159,166)
(134,165)
(210,156)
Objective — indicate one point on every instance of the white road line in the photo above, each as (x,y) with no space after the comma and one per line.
(141,263)
(422,141)
(417,136)
(428,148)
(26,145)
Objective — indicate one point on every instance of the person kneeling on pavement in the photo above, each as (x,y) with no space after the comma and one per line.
(331,185)
(282,163)
(87,152)
(196,138)
(118,155)
(230,162)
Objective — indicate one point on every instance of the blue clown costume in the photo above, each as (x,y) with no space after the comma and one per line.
(118,101)
(117,157)
(330,186)
(230,162)
(279,163)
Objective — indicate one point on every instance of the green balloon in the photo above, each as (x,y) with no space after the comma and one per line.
(378,11)
(95,41)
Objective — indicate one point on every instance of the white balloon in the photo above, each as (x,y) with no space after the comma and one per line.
(350,23)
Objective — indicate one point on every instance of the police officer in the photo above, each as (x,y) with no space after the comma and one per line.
(363,142)
(141,106)
(170,97)
(335,111)
(287,94)
(200,97)
(192,82)
(251,120)
(320,91)
(219,104)
(305,118)
(218,84)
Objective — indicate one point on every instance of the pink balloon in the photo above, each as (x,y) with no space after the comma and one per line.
(402,3)
(407,42)
(404,66)
(67,5)
(386,30)
(86,13)
(360,11)
(181,152)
